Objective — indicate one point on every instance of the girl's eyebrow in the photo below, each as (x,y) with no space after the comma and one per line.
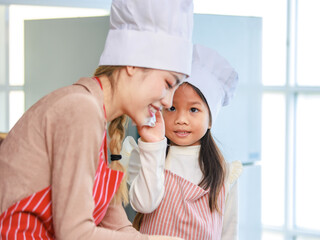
(195,103)
(190,103)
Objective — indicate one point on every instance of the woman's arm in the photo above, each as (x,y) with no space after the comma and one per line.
(116,219)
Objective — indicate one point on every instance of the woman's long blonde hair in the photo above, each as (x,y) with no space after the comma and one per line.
(116,131)
(2,136)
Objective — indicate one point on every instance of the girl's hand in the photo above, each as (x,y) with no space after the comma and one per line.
(153,134)
(157,237)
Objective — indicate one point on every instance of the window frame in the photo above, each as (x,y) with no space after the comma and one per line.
(289,231)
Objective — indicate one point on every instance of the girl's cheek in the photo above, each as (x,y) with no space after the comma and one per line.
(168,118)
(165,117)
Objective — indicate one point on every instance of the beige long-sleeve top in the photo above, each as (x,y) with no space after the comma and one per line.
(57,142)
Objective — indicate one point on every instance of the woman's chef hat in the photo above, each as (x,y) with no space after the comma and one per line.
(150,33)
(214,77)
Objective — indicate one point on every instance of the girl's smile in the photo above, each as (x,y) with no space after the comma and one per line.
(182,134)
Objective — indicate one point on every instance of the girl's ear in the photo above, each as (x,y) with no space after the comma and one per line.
(131,70)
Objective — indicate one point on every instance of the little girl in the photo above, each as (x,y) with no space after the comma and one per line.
(190,192)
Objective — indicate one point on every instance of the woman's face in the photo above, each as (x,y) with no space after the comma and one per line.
(187,120)
(150,90)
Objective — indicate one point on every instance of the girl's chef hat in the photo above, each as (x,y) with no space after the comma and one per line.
(214,77)
(150,33)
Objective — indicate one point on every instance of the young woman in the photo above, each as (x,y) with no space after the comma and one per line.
(55,180)
(192,193)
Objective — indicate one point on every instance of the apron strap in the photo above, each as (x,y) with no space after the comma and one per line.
(104,108)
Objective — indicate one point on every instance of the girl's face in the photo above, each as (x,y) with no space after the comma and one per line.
(187,120)
(149,91)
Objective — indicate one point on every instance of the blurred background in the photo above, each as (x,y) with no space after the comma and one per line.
(272,124)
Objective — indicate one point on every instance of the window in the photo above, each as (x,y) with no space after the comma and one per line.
(307,161)
(307,42)
(290,123)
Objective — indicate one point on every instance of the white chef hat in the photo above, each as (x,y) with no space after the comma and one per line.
(150,33)
(214,77)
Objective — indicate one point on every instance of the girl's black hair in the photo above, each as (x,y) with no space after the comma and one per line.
(211,162)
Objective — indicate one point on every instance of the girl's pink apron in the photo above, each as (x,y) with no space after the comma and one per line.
(31,218)
(184,212)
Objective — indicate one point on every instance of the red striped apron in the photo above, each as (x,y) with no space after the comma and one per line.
(184,212)
(31,218)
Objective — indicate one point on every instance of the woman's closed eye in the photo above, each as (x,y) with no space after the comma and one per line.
(169,86)
(194,110)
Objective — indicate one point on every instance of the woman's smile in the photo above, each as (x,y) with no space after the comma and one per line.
(152,110)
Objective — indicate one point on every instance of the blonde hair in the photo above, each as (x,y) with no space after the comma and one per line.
(2,136)
(116,131)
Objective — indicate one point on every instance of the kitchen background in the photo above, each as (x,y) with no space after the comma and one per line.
(271,125)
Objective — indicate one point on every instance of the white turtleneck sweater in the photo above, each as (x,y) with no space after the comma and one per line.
(147,162)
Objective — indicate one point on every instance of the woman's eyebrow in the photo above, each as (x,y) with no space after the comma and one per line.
(178,81)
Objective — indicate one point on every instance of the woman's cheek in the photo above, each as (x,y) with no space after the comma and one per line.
(165,91)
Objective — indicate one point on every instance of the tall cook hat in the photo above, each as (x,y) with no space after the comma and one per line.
(214,77)
(150,33)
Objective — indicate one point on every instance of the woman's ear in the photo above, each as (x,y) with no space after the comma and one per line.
(131,70)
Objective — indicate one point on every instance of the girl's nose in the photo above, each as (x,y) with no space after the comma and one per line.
(181,118)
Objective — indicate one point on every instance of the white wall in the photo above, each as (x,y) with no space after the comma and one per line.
(104,4)
(3,68)
(60,51)
(3,49)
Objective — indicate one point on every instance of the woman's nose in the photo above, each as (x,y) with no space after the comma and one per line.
(167,100)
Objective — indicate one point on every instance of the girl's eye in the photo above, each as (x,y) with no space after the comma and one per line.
(194,110)
(171,109)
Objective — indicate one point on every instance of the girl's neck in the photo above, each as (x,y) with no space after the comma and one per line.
(173,144)
(185,150)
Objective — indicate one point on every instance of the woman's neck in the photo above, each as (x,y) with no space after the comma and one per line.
(111,99)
